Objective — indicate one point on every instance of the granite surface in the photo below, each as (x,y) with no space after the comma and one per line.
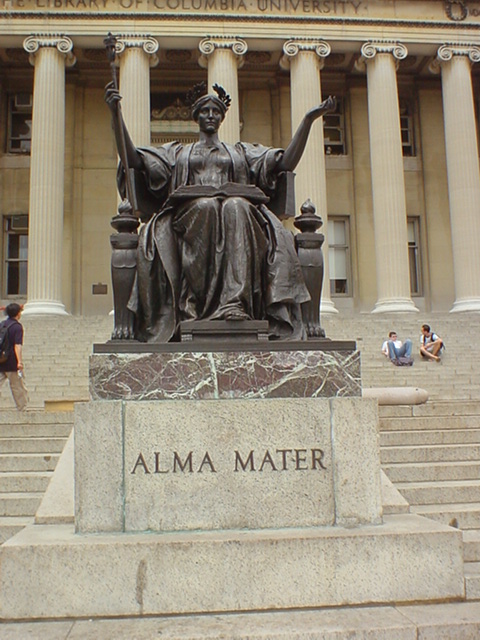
(191,375)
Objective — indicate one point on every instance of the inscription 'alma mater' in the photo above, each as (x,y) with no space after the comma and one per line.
(277,460)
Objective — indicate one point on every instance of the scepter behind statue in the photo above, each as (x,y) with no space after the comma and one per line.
(124,243)
(129,205)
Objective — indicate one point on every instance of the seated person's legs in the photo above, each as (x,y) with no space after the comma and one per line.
(427,352)
(392,350)
(406,348)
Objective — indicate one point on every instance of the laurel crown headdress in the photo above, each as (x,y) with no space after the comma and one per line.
(199,92)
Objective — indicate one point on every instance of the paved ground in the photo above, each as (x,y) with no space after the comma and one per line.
(454,621)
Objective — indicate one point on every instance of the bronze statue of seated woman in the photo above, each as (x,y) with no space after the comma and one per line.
(210,248)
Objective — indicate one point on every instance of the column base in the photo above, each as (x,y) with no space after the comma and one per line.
(327,306)
(468,304)
(395,305)
(44,307)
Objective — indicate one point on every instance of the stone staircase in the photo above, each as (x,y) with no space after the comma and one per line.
(30,445)
(456,377)
(431,453)
(56,351)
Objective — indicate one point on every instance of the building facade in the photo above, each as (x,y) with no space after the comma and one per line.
(394,172)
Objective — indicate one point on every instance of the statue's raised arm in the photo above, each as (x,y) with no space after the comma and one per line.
(122,136)
(295,149)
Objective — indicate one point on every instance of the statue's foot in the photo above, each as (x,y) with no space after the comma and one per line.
(236,315)
(315,331)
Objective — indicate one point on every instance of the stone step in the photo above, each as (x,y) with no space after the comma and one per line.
(471,545)
(32,445)
(430,453)
(440,492)
(443,621)
(28,461)
(438,408)
(24,482)
(426,423)
(472,580)
(19,504)
(9,526)
(432,472)
(430,436)
(459,515)
(28,430)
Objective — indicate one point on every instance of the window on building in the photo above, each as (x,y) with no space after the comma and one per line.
(16,255)
(19,123)
(339,256)
(406,127)
(414,262)
(334,131)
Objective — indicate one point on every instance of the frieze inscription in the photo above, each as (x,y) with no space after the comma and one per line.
(333,7)
(161,462)
(453,10)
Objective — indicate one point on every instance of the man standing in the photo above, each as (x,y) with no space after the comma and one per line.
(394,349)
(12,369)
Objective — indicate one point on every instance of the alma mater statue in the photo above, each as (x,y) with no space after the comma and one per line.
(210,248)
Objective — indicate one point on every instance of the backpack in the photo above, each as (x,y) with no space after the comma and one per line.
(5,344)
(403,361)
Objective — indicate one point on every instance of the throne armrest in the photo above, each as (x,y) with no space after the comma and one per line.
(282,203)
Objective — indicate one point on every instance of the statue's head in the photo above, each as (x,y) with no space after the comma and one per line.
(198,97)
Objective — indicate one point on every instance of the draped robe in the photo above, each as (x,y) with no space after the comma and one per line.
(207,256)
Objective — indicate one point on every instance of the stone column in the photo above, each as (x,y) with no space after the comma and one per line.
(49,55)
(305,60)
(136,55)
(223,57)
(388,184)
(463,170)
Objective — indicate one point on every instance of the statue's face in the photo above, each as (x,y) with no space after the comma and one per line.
(209,117)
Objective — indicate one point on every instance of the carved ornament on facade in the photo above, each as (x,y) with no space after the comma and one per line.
(147,43)
(448,51)
(210,44)
(293,47)
(63,44)
(370,49)
(456,10)
(177,111)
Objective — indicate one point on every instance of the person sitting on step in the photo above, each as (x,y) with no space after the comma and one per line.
(394,349)
(430,344)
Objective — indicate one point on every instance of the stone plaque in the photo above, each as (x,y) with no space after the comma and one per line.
(215,465)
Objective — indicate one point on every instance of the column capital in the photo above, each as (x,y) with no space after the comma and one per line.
(370,49)
(448,51)
(210,44)
(147,43)
(293,47)
(62,43)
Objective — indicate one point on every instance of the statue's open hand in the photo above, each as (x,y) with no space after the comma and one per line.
(112,96)
(327,106)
